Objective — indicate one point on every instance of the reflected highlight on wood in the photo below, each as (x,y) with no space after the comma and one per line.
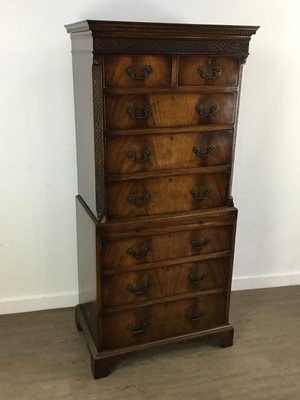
(156,110)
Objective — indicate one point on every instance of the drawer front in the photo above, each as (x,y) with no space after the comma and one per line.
(207,71)
(156,111)
(142,250)
(161,321)
(164,152)
(137,71)
(167,195)
(139,286)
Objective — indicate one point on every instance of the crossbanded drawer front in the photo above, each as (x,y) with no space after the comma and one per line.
(139,286)
(137,70)
(167,195)
(169,110)
(131,154)
(208,71)
(161,321)
(156,248)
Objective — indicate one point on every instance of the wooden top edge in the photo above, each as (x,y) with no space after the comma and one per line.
(126,28)
(168,218)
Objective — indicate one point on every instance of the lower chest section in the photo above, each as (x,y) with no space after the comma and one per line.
(162,279)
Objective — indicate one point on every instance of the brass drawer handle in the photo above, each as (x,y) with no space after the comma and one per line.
(132,112)
(145,286)
(197,245)
(138,254)
(132,73)
(215,73)
(131,329)
(144,199)
(196,195)
(146,153)
(204,114)
(209,150)
(194,279)
(196,317)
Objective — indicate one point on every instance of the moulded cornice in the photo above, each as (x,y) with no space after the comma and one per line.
(109,28)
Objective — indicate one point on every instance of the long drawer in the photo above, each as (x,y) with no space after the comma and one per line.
(119,253)
(138,286)
(131,154)
(146,324)
(167,194)
(169,110)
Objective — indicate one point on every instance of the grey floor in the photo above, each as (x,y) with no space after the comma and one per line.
(42,356)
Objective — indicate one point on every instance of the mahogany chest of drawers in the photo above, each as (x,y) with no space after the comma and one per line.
(156,113)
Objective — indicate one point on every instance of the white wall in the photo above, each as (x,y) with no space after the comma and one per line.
(38,161)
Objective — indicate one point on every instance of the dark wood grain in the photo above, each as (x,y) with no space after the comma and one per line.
(133,176)
(165,282)
(153,225)
(167,195)
(87,274)
(168,110)
(169,130)
(165,246)
(119,90)
(155,216)
(163,321)
(115,68)
(189,71)
(157,29)
(168,263)
(167,152)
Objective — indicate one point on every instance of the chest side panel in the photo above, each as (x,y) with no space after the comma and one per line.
(84,120)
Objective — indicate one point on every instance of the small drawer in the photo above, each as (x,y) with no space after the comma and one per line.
(131,154)
(139,286)
(119,253)
(137,70)
(151,196)
(207,71)
(147,324)
(159,111)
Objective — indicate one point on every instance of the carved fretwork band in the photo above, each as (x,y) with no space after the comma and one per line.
(230,47)
(99,140)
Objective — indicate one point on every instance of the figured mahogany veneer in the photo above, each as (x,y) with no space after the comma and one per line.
(156,110)
(132,154)
(160,247)
(208,71)
(164,320)
(159,283)
(167,195)
(137,71)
